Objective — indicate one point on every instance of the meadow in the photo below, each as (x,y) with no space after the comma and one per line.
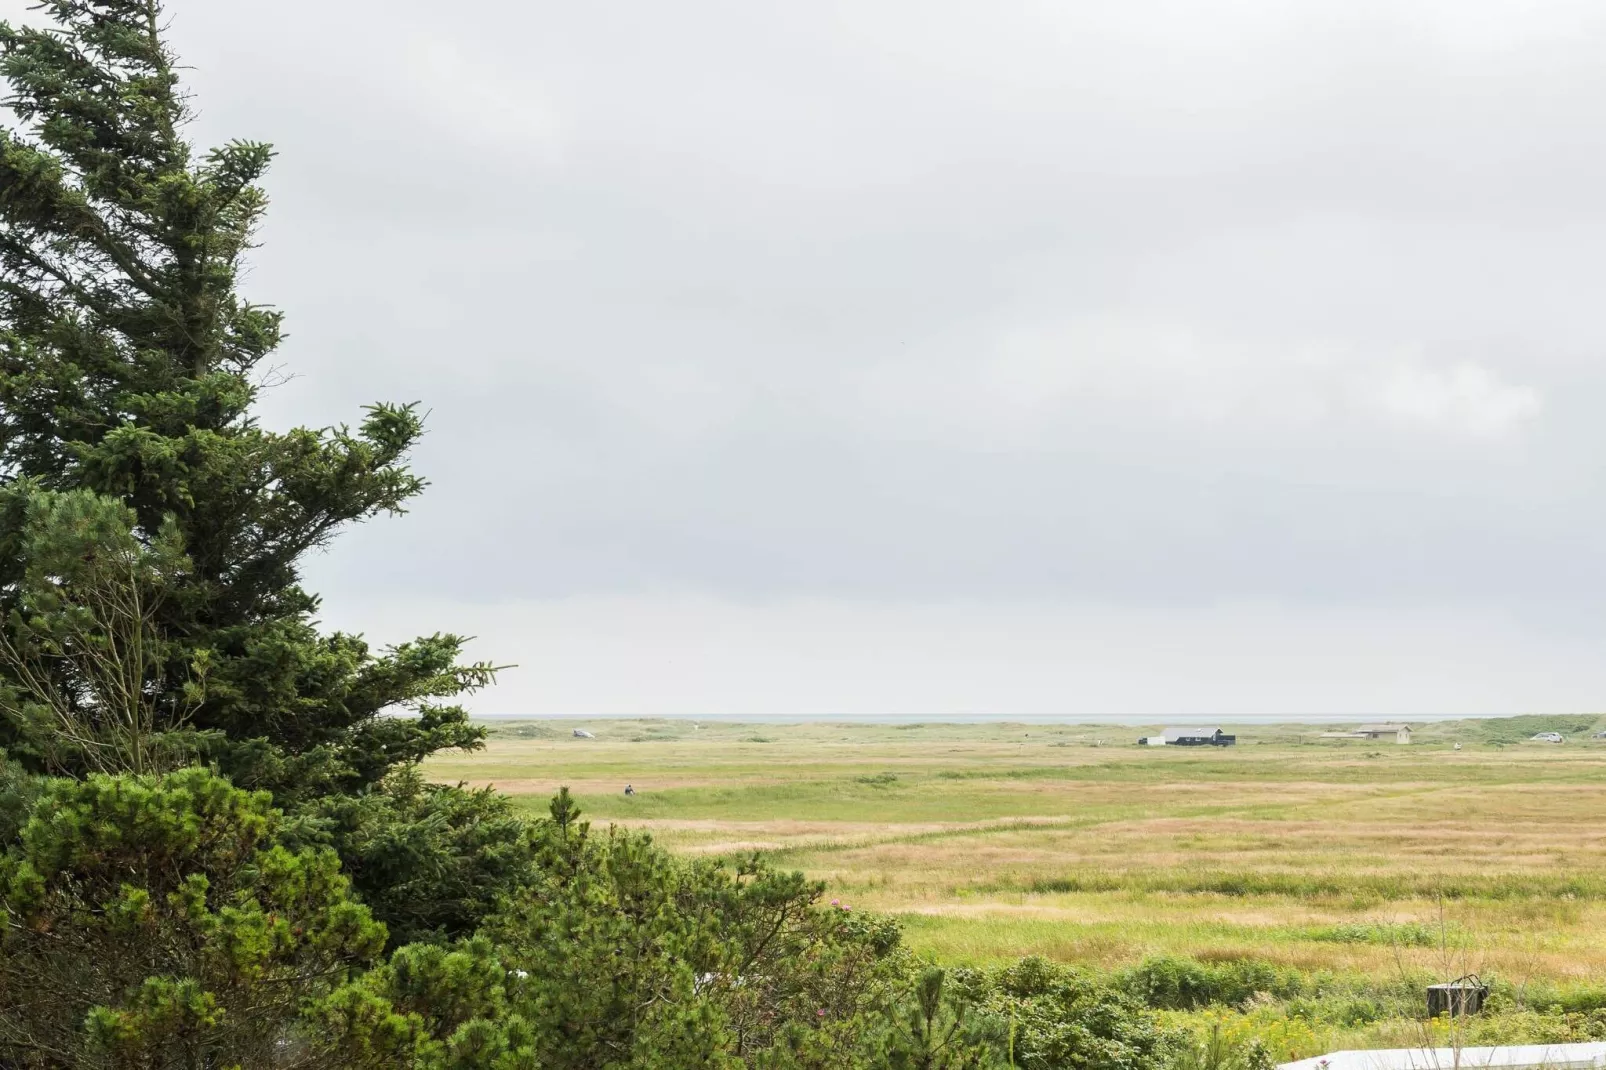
(1363,866)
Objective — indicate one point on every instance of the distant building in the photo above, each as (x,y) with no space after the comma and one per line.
(1198,736)
(1399,733)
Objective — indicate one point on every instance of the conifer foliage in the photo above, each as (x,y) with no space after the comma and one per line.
(155,922)
(129,362)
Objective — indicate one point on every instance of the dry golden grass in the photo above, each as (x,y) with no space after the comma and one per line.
(1000,840)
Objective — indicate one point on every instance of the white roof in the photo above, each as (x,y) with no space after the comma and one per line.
(1383,727)
(1591,1056)
(1192,731)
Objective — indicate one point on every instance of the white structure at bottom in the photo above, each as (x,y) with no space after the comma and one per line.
(1591,1056)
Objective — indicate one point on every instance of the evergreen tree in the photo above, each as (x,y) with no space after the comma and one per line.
(154,922)
(431,861)
(429,1008)
(632,957)
(943,1030)
(151,616)
(129,363)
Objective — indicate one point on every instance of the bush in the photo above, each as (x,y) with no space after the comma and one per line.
(629,952)
(1060,1018)
(430,861)
(1220,1051)
(155,922)
(428,1008)
(1187,984)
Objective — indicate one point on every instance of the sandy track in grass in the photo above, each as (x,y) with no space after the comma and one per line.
(597,785)
(725,836)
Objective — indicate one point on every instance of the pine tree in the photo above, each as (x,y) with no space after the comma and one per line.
(129,364)
(157,922)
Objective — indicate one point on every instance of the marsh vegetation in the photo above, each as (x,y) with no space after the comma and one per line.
(1293,887)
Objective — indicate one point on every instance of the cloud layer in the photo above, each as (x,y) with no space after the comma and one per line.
(1132,311)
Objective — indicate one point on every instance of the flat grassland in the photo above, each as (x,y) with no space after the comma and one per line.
(991,841)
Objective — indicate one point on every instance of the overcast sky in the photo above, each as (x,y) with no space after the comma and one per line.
(931,357)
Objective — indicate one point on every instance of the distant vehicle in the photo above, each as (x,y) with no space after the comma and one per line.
(581,733)
(1547,737)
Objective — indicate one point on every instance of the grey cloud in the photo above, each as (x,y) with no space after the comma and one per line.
(1141,303)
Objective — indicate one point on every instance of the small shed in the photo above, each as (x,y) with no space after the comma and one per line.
(1400,733)
(1464,995)
(1198,736)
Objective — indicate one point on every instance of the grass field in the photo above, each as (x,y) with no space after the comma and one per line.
(1360,859)
(1336,876)
(1325,881)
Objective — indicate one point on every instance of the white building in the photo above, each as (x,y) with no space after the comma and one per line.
(1399,733)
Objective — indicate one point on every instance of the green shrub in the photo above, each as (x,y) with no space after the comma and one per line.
(1062,1018)
(627,949)
(1218,1051)
(155,922)
(1186,984)
(431,861)
(1403,934)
